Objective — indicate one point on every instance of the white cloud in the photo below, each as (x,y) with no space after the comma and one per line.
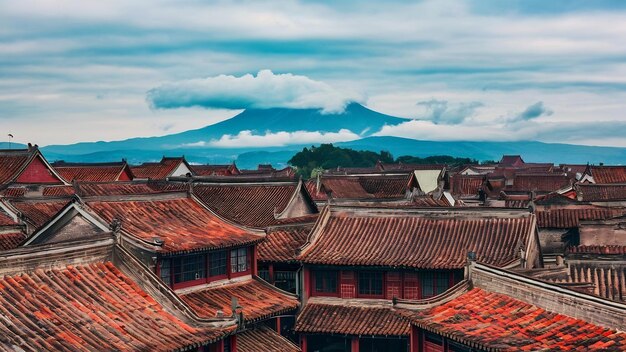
(266,90)
(276,139)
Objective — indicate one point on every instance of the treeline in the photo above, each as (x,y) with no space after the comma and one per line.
(327,156)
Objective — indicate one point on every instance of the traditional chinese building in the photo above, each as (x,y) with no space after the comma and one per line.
(167,167)
(364,258)
(94,172)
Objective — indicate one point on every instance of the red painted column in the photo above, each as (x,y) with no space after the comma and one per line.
(278,325)
(354,344)
(270,269)
(306,284)
(414,339)
(233,343)
(253,261)
(303,343)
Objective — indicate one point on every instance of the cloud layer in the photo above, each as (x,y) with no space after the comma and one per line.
(89,64)
(263,91)
(246,139)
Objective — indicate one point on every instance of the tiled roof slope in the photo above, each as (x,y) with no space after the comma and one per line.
(264,339)
(252,205)
(498,322)
(215,170)
(466,185)
(609,174)
(258,300)
(58,191)
(539,182)
(89,189)
(6,220)
(91,307)
(11,162)
(596,250)
(157,171)
(601,193)
(39,212)
(182,224)
(104,172)
(416,238)
(11,240)
(281,243)
(346,318)
(570,217)
(360,187)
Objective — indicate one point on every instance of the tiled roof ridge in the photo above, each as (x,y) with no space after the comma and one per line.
(442,212)
(294,196)
(147,197)
(313,236)
(57,255)
(61,164)
(453,292)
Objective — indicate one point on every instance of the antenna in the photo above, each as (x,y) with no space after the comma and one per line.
(10,138)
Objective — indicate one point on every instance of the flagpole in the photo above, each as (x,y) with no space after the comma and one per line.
(10,137)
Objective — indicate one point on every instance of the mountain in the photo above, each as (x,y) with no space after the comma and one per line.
(355,118)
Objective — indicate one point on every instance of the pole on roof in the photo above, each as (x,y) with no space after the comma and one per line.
(10,137)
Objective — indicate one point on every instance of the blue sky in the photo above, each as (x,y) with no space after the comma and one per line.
(476,70)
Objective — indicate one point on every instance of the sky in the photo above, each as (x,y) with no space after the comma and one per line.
(553,71)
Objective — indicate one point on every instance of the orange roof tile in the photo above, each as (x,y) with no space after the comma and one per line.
(12,162)
(127,188)
(262,338)
(495,321)
(157,171)
(259,300)
(570,217)
(466,185)
(253,205)
(92,172)
(281,243)
(431,239)
(608,174)
(89,307)
(601,193)
(38,212)
(11,240)
(182,224)
(360,187)
(341,317)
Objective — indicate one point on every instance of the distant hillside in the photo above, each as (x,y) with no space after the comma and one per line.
(356,118)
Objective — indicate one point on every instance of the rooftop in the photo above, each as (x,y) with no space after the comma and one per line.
(417,238)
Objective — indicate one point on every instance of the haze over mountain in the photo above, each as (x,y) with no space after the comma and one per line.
(298,128)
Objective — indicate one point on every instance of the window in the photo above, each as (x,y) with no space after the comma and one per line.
(435,283)
(325,281)
(217,263)
(189,268)
(239,260)
(370,283)
(165,271)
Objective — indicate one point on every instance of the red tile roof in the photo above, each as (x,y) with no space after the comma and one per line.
(262,338)
(539,182)
(494,321)
(94,172)
(608,174)
(157,171)
(89,307)
(409,167)
(431,239)
(511,160)
(182,224)
(319,316)
(39,212)
(570,217)
(215,170)
(14,192)
(360,187)
(466,185)
(254,205)
(5,219)
(128,188)
(601,193)
(58,191)
(12,162)
(281,243)
(259,300)
(11,240)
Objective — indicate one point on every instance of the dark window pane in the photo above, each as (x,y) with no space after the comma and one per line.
(325,281)
(239,260)
(217,263)
(189,268)
(370,283)
(165,271)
